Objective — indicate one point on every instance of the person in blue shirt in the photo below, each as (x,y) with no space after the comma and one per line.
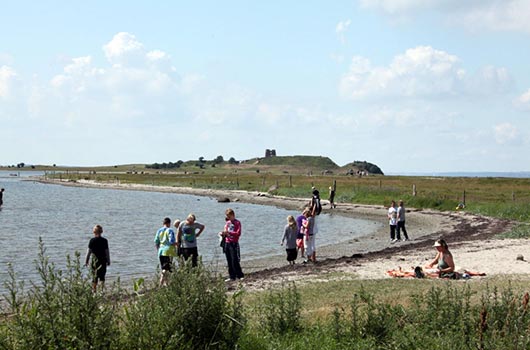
(165,243)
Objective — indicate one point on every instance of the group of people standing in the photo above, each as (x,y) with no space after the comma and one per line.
(180,241)
(299,234)
(396,220)
(183,244)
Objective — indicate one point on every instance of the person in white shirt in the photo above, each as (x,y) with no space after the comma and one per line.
(392,220)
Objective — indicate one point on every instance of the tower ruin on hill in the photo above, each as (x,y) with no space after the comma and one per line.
(270,153)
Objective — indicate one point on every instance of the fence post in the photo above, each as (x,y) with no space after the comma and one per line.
(513,196)
(414,190)
(290,181)
(464,198)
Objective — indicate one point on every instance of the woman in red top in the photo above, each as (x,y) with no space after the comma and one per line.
(231,234)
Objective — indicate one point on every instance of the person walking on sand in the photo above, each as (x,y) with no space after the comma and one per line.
(98,249)
(401,221)
(290,233)
(188,232)
(232,232)
(165,243)
(392,220)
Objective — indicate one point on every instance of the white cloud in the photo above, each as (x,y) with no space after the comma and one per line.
(137,85)
(421,72)
(505,133)
(523,101)
(157,55)
(7,76)
(497,15)
(490,79)
(341,29)
(123,48)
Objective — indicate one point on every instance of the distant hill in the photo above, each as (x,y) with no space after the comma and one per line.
(298,164)
(363,166)
(316,162)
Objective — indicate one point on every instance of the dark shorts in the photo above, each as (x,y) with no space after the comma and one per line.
(292,254)
(187,252)
(99,272)
(165,262)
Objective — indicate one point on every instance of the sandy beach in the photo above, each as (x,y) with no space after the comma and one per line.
(471,239)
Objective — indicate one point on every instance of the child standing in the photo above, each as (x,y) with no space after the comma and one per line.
(309,239)
(98,249)
(289,237)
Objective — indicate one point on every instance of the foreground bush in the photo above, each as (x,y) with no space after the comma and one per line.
(443,318)
(60,312)
(192,312)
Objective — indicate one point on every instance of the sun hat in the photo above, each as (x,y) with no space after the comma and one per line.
(437,244)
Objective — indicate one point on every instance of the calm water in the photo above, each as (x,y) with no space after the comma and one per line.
(64,217)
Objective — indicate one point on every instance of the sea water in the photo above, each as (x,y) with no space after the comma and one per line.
(63,217)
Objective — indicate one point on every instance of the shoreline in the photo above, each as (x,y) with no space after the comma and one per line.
(460,229)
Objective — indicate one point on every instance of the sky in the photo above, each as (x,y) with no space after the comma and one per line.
(409,85)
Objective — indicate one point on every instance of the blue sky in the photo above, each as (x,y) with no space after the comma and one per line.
(410,85)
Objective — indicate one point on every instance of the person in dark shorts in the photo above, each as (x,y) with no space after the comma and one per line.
(166,245)
(98,249)
(401,221)
(1,196)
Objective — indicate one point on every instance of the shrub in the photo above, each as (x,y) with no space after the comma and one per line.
(279,311)
(60,312)
(192,312)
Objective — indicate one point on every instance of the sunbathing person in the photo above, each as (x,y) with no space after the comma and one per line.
(444,260)
(445,266)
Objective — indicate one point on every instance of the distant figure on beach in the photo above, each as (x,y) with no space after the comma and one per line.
(232,232)
(290,233)
(392,220)
(308,225)
(300,233)
(165,243)
(1,196)
(401,221)
(98,249)
(332,197)
(188,232)
(316,208)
